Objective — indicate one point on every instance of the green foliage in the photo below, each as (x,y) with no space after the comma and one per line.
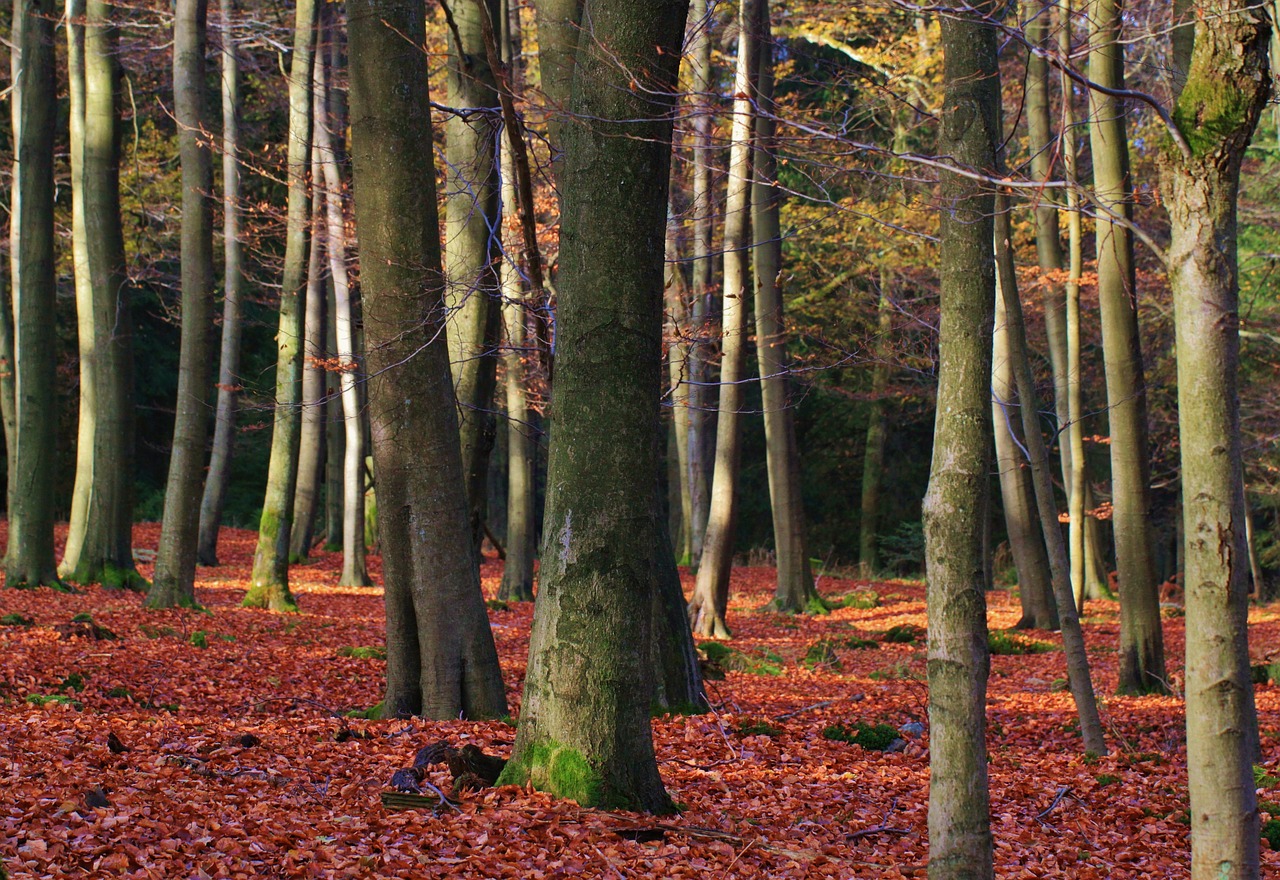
(1000,641)
(56,699)
(199,639)
(822,654)
(1271,828)
(156,632)
(876,737)
(904,634)
(863,600)
(759,662)
(74,681)
(119,692)
(758,727)
(854,643)
(16,619)
(370,652)
(1263,779)
(896,672)
(83,617)
(496,605)
(1105,779)
(902,551)
(1265,673)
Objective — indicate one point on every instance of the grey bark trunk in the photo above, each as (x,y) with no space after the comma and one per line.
(215,487)
(174,581)
(1216,113)
(877,435)
(269,581)
(584,725)
(678,362)
(441,659)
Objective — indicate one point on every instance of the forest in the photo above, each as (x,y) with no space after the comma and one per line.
(632,438)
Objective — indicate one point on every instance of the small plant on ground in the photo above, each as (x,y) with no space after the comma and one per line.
(822,654)
(904,634)
(758,727)
(855,643)
(496,605)
(1271,828)
(16,619)
(758,662)
(199,639)
(896,672)
(1001,641)
(876,737)
(863,600)
(1105,779)
(56,699)
(371,652)
(74,681)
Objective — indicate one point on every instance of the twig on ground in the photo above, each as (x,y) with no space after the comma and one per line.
(1053,805)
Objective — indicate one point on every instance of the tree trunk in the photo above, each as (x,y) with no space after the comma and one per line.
(335,445)
(794,591)
(355,572)
(584,724)
(306,495)
(269,582)
(174,581)
(698,54)
(1216,113)
(30,560)
(224,430)
(472,246)
(877,434)
(441,659)
(1141,640)
(1035,589)
(1078,674)
(8,402)
(100,538)
(678,362)
(955,505)
(710,599)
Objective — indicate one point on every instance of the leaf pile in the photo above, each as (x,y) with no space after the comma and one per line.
(158,754)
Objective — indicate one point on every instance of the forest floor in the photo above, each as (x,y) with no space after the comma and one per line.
(234,768)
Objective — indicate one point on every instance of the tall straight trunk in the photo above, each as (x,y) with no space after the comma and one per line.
(877,435)
(710,599)
(472,246)
(1078,676)
(1022,523)
(269,582)
(558,24)
(8,403)
(1141,640)
(795,590)
(355,572)
(956,503)
(99,540)
(678,351)
(1216,113)
(441,658)
(584,723)
(82,491)
(698,55)
(30,560)
(306,494)
(215,486)
(335,446)
(174,581)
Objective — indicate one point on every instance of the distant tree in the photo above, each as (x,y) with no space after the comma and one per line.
(441,658)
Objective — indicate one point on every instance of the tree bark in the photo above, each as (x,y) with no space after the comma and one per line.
(1141,640)
(877,435)
(1216,113)
(795,590)
(269,582)
(100,537)
(678,365)
(30,559)
(441,659)
(584,724)
(174,581)
(224,430)
(472,247)
(710,601)
(955,505)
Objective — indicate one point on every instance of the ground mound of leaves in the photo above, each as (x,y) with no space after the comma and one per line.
(179,744)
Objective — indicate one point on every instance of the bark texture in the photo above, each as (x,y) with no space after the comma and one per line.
(606,564)
(441,659)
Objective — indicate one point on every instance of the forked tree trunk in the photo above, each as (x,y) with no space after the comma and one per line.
(584,724)
(99,539)
(1141,639)
(174,581)
(30,560)
(269,581)
(441,658)
(956,503)
(795,590)
(710,601)
(1216,113)
(224,429)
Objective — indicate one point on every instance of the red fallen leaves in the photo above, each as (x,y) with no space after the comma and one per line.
(191,798)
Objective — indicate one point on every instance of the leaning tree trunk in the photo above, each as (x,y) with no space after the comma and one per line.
(1215,114)
(174,581)
(584,723)
(100,537)
(472,247)
(269,581)
(355,572)
(795,590)
(441,658)
(955,505)
(306,494)
(215,487)
(1141,640)
(710,601)
(30,559)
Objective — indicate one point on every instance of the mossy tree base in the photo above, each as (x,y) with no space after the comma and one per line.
(565,772)
(271,596)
